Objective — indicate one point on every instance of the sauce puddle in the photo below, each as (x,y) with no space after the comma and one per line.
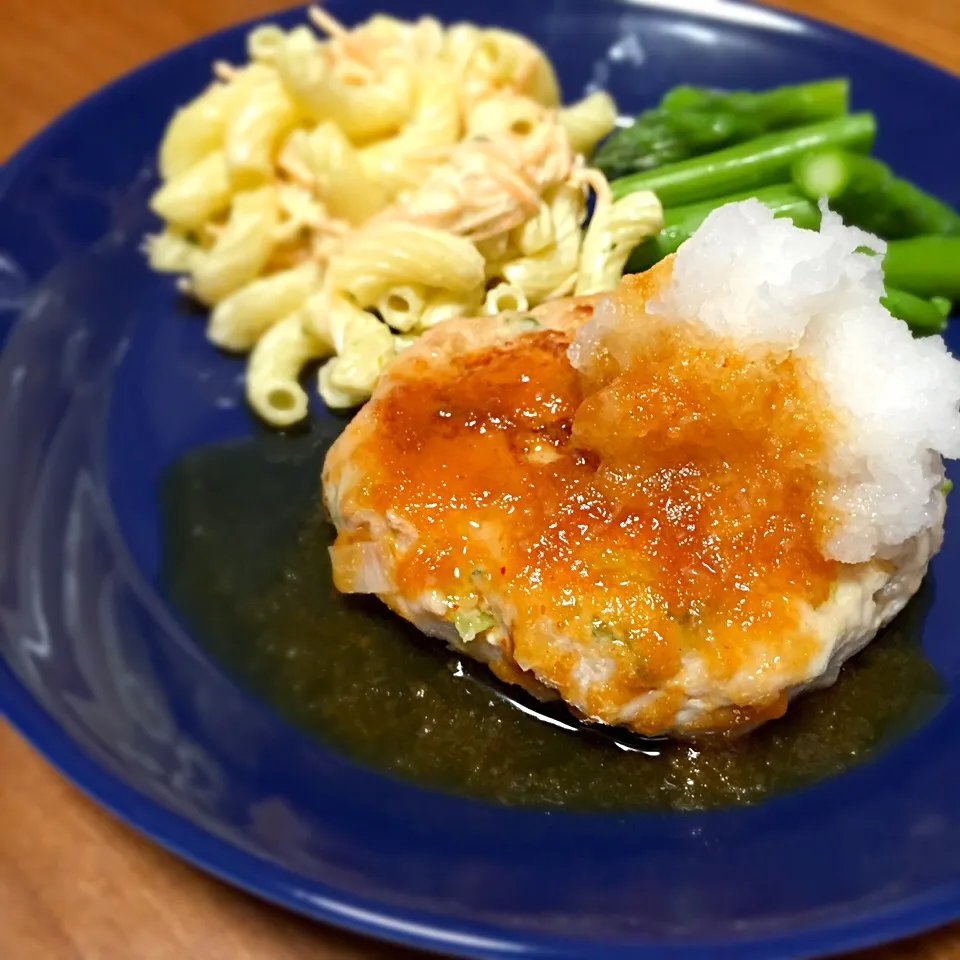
(246,564)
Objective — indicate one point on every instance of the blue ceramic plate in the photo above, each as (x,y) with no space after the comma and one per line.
(104,381)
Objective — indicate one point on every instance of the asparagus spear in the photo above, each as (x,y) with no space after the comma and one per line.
(943,305)
(692,120)
(924,266)
(679,223)
(684,97)
(747,166)
(816,100)
(923,317)
(864,191)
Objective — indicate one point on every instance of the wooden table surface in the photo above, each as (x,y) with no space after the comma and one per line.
(75,884)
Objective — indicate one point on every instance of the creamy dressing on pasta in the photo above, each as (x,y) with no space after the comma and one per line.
(341,194)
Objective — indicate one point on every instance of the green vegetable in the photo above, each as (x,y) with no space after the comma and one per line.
(923,317)
(471,622)
(604,632)
(924,266)
(946,486)
(685,97)
(747,166)
(680,222)
(942,304)
(832,173)
(864,191)
(691,121)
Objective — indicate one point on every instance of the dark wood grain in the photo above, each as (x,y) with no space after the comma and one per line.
(76,884)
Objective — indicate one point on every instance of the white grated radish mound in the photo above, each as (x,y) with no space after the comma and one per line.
(772,287)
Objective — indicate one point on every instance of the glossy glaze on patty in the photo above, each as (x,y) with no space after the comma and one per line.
(645,541)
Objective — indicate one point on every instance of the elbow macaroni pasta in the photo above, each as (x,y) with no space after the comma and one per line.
(330,317)
(505,113)
(589,121)
(397,163)
(341,181)
(195,131)
(242,318)
(170,252)
(264,42)
(339,195)
(383,255)
(361,111)
(445,306)
(364,346)
(504,297)
(241,249)
(273,388)
(334,397)
(616,228)
(195,195)
(253,131)
(535,234)
(402,307)
(552,271)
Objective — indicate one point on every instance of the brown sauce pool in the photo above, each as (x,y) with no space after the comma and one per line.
(246,565)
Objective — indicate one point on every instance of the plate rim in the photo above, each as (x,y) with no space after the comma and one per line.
(224,861)
(272,883)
